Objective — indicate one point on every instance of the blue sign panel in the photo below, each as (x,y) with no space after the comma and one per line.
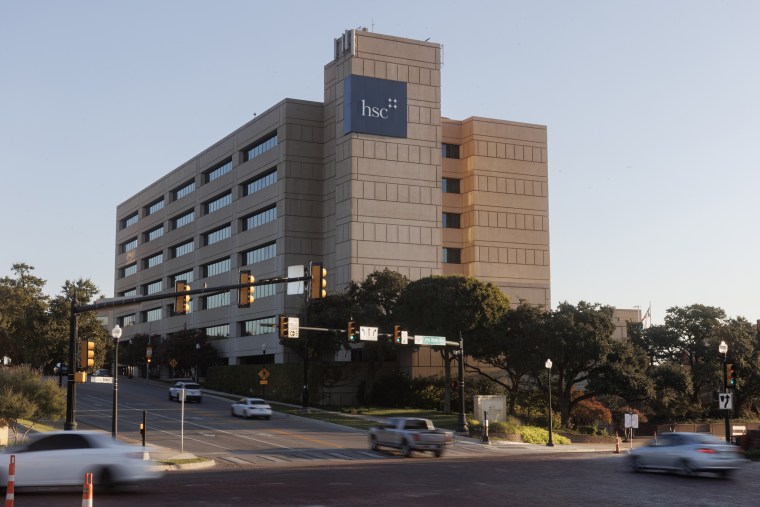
(374,106)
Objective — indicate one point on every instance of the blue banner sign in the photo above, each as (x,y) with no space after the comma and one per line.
(374,106)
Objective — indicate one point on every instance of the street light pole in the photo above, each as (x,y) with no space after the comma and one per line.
(548,365)
(116,334)
(723,349)
(197,360)
(264,363)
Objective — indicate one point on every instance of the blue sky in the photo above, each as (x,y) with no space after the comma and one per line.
(652,111)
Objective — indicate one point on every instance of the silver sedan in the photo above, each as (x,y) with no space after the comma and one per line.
(687,453)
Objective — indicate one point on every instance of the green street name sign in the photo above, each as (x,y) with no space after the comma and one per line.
(430,340)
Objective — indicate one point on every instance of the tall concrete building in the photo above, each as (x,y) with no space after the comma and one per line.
(373,177)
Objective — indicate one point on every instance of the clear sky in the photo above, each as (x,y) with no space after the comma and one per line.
(652,111)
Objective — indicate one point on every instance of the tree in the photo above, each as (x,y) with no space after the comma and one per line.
(451,306)
(25,394)
(513,347)
(190,349)
(23,316)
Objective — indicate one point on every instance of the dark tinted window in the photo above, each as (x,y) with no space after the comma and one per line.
(59,442)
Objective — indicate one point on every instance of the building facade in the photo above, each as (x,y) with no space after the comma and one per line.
(373,177)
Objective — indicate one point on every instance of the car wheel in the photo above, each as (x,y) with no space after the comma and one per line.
(373,444)
(170,397)
(104,479)
(438,453)
(636,464)
(406,451)
(686,468)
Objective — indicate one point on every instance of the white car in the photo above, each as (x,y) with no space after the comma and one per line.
(192,391)
(62,458)
(251,407)
(687,453)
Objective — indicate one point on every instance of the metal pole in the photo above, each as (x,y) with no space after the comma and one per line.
(725,390)
(305,394)
(550,443)
(115,417)
(71,386)
(461,421)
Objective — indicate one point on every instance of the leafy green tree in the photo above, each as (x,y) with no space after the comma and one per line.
(190,348)
(579,342)
(23,317)
(744,353)
(451,306)
(26,395)
(513,347)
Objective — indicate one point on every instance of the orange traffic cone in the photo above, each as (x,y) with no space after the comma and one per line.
(9,492)
(617,444)
(87,491)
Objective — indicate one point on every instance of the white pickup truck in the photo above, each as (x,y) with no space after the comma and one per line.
(410,434)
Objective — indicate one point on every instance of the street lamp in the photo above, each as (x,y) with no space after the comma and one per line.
(548,365)
(723,349)
(116,334)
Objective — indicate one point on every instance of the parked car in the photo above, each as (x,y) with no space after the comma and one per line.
(251,407)
(192,391)
(687,453)
(61,458)
(410,434)
(103,372)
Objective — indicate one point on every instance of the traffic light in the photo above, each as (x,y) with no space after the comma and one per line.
(86,354)
(318,281)
(730,375)
(397,334)
(182,299)
(351,331)
(283,326)
(245,294)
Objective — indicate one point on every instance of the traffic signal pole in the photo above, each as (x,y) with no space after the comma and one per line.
(71,385)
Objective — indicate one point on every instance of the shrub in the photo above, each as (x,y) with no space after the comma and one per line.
(534,435)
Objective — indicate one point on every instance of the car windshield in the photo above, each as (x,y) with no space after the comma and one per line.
(258,402)
(192,386)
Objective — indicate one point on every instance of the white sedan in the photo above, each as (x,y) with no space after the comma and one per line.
(192,391)
(61,458)
(251,407)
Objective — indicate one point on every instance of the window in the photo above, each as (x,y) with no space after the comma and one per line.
(218,171)
(187,189)
(259,254)
(152,315)
(129,220)
(128,293)
(260,218)
(154,206)
(450,186)
(152,288)
(129,270)
(257,327)
(452,255)
(129,245)
(182,249)
(153,260)
(217,235)
(216,332)
(450,220)
(261,146)
(215,268)
(127,320)
(264,291)
(154,233)
(263,181)
(450,150)
(218,203)
(186,277)
(217,300)
(184,219)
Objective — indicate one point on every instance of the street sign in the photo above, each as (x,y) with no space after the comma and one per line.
(263,374)
(368,334)
(101,380)
(173,363)
(725,401)
(263,382)
(631,420)
(404,337)
(430,340)
(293,323)
(296,287)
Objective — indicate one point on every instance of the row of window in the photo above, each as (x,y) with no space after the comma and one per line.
(261,146)
(247,328)
(247,257)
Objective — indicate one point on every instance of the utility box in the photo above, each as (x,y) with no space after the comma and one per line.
(3,435)
(494,404)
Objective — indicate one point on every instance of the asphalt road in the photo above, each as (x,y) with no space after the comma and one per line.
(555,479)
